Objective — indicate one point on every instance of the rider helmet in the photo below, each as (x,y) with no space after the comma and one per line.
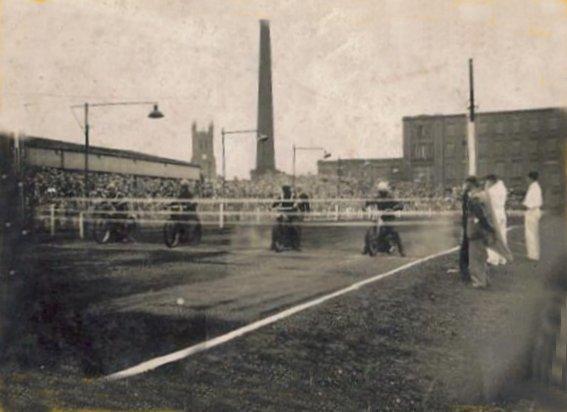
(286,190)
(383,186)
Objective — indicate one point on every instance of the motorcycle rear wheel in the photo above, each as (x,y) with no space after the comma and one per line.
(194,233)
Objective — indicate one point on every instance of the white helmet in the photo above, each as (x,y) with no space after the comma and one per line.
(383,186)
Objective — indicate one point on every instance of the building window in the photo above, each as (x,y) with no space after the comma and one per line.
(500,169)
(552,148)
(533,151)
(482,148)
(450,150)
(534,125)
(422,151)
(451,130)
(499,127)
(554,123)
(516,125)
(516,148)
(423,132)
(419,131)
(498,149)
(517,169)
(449,171)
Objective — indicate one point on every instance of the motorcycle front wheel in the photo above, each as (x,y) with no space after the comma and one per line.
(278,238)
(171,234)
(372,241)
(102,231)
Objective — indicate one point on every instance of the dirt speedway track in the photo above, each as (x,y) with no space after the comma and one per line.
(405,343)
(191,293)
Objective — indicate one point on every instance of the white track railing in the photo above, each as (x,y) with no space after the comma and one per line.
(76,213)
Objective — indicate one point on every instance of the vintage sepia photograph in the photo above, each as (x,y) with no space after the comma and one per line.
(283,205)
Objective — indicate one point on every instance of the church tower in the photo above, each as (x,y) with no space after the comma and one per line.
(203,150)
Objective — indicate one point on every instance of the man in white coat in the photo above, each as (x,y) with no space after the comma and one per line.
(533,203)
(498,194)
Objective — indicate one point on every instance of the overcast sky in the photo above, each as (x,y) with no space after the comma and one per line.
(344,71)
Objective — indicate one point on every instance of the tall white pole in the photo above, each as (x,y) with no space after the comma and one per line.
(471,129)
(293,180)
(223,188)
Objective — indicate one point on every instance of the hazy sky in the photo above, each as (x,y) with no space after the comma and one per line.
(344,71)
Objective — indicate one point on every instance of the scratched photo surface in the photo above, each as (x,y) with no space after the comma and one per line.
(218,205)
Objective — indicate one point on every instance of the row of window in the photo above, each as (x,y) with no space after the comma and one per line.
(498,126)
(547,148)
(422,151)
(506,125)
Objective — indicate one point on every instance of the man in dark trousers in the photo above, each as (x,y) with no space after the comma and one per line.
(464,251)
(286,205)
(481,233)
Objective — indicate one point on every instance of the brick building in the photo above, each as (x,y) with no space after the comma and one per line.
(203,150)
(510,143)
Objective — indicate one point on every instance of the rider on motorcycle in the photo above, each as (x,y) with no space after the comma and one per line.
(382,204)
(189,209)
(303,205)
(121,209)
(286,203)
(287,206)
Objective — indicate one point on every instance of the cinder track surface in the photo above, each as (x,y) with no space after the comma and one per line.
(414,341)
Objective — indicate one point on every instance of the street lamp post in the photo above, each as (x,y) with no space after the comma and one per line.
(259,138)
(154,114)
(339,174)
(326,155)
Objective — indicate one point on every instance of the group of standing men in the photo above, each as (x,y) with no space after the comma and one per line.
(484,241)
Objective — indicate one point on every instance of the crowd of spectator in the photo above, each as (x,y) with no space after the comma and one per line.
(44,184)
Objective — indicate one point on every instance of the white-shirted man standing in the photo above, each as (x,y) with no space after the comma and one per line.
(498,194)
(533,202)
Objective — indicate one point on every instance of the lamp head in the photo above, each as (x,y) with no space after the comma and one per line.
(326,155)
(261,137)
(155,113)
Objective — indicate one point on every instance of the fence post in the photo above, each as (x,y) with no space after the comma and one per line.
(52,219)
(257,214)
(221,215)
(81,225)
(337,212)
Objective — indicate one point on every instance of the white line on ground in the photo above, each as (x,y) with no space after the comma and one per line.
(219,340)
